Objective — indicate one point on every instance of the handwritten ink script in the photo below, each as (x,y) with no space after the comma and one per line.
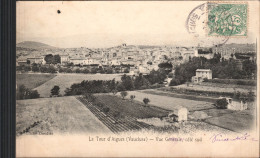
(222,138)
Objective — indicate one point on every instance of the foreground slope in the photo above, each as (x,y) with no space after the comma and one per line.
(55,116)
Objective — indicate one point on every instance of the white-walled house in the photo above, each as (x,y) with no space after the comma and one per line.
(64,59)
(179,114)
(201,74)
(37,60)
(235,105)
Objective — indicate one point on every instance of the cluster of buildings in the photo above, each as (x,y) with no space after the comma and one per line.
(139,59)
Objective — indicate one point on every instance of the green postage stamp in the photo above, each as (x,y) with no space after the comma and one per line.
(227,19)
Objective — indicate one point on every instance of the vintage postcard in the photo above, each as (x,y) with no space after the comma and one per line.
(137,79)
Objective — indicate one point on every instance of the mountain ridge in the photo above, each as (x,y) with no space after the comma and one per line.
(34,45)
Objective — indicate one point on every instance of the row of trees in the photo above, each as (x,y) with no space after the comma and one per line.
(37,68)
(221,68)
(52,59)
(127,83)
(53,69)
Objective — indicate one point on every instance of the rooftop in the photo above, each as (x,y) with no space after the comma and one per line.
(203,70)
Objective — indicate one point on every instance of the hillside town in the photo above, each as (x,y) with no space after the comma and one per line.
(139,59)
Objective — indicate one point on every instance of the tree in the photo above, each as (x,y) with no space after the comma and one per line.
(48,58)
(126,70)
(93,70)
(165,65)
(123,94)
(28,62)
(105,110)
(132,97)
(127,82)
(146,101)
(35,68)
(34,94)
(51,69)
(114,91)
(27,68)
(55,91)
(222,103)
(56,59)
(25,93)
(116,115)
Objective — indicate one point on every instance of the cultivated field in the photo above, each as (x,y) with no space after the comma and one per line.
(242,121)
(66,80)
(217,87)
(33,80)
(128,108)
(54,116)
(169,103)
(238,121)
(180,95)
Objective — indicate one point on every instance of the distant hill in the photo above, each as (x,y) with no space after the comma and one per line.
(34,45)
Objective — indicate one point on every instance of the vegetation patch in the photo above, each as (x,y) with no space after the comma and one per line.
(129,108)
(32,81)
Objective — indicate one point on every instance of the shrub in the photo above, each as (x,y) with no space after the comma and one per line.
(175,82)
(85,71)
(114,91)
(170,75)
(90,97)
(34,94)
(99,104)
(68,70)
(25,93)
(126,71)
(78,70)
(123,94)
(35,68)
(93,70)
(105,110)
(237,95)
(117,115)
(132,97)
(251,96)
(55,90)
(222,103)
(27,68)
(205,80)
(146,101)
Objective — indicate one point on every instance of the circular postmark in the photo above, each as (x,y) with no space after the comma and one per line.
(196,25)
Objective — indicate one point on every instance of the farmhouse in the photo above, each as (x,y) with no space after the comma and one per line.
(201,74)
(64,59)
(21,61)
(235,105)
(37,60)
(77,60)
(179,114)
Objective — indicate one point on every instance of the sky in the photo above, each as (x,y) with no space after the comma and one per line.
(97,24)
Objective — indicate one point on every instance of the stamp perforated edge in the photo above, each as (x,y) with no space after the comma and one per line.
(228,2)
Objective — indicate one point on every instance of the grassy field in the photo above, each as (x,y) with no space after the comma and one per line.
(217,87)
(241,121)
(66,80)
(183,96)
(128,108)
(33,80)
(55,116)
(169,103)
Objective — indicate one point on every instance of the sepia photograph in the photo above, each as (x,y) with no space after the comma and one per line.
(108,78)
